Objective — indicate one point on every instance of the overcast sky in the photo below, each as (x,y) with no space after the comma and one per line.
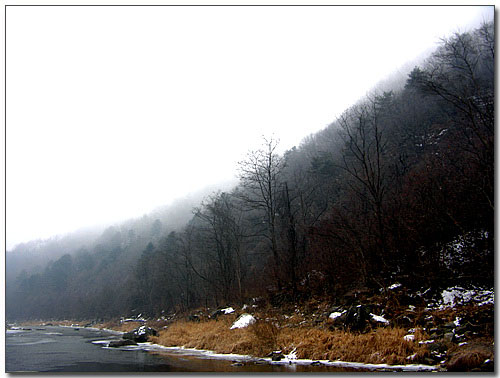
(113,111)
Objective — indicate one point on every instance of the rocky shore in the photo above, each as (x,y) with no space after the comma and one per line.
(452,331)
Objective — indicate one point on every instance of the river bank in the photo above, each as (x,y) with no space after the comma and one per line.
(454,333)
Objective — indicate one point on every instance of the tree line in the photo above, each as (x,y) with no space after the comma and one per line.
(399,188)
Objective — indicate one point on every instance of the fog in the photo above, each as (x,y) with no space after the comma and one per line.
(115,111)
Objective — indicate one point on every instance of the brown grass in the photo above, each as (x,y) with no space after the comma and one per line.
(54,322)
(383,345)
(117,326)
(466,360)
(112,324)
(470,356)
(211,334)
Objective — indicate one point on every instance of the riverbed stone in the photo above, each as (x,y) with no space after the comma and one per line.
(276,355)
(140,334)
(120,343)
(448,337)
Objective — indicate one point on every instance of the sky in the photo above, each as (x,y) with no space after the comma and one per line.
(114,111)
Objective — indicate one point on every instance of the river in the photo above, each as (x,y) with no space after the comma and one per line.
(65,349)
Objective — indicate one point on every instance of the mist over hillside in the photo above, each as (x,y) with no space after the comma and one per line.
(398,188)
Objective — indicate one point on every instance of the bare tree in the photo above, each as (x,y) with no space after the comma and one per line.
(461,74)
(259,176)
(222,236)
(364,161)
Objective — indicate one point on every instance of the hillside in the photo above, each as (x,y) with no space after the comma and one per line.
(398,189)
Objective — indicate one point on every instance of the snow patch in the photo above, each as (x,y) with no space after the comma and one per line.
(227,310)
(379,318)
(98,342)
(459,296)
(409,337)
(292,355)
(425,342)
(335,315)
(244,320)
(412,357)
(394,286)
(288,360)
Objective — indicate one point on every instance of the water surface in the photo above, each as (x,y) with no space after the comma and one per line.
(64,349)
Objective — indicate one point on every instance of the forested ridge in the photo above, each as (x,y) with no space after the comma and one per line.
(400,188)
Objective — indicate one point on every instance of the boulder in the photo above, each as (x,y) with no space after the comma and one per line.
(337,317)
(276,355)
(449,337)
(357,318)
(141,334)
(120,343)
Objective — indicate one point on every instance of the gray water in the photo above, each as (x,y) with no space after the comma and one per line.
(63,349)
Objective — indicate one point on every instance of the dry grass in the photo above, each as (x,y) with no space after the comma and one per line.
(378,346)
(466,361)
(53,322)
(470,356)
(383,345)
(211,334)
(117,326)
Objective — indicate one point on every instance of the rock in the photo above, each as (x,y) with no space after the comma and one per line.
(141,334)
(316,363)
(448,337)
(120,343)
(276,355)
(450,325)
(237,363)
(194,318)
(337,317)
(260,361)
(357,318)
(436,347)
